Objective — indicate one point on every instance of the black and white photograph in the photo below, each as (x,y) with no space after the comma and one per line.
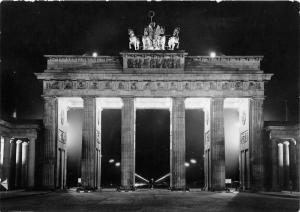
(150,105)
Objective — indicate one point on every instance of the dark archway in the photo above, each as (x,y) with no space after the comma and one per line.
(153,145)
(194,132)
(111,148)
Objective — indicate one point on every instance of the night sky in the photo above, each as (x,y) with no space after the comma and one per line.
(31,30)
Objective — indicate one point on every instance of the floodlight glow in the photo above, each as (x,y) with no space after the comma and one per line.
(15,114)
(193,161)
(95,54)
(212,54)
(186,164)
(111,160)
(117,164)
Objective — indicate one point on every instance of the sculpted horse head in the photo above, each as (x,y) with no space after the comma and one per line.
(130,32)
(176,31)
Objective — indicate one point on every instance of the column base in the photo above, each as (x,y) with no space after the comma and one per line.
(256,189)
(185,188)
(86,189)
(47,188)
(217,188)
(126,188)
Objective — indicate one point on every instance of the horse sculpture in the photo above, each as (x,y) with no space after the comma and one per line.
(133,40)
(174,40)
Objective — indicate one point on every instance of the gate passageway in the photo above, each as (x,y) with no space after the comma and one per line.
(153,145)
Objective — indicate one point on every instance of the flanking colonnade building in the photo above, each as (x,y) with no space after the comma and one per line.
(169,80)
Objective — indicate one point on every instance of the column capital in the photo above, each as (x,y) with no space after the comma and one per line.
(32,139)
(179,97)
(217,98)
(257,98)
(127,98)
(89,100)
(12,140)
(48,98)
(88,97)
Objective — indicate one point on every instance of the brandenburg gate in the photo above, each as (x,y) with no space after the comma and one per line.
(162,79)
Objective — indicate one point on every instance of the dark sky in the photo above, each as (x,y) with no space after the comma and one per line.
(31,30)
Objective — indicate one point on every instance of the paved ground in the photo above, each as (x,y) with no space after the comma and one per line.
(153,200)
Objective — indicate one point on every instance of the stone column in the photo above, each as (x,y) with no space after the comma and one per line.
(128,144)
(280,165)
(274,156)
(88,167)
(178,145)
(6,159)
(217,144)
(286,164)
(298,164)
(50,137)
(18,178)
(293,164)
(256,144)
(31,163)
(12,161)
(24,176)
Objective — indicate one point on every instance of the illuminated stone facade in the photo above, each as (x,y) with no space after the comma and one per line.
(187,81)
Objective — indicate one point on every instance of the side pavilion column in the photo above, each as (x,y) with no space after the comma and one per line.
(217,144)
(12,164)
(128,144)
(88,165)
(18,178)
(298,163)
(275,166)
(286,164)
(178,145)
(6,159)
(49,149)
(256,144)
(31,163)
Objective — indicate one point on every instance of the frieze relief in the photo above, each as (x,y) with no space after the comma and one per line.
(154,85)
(244,137)
(62,136)
(154,62)
(207,139)
(98,139)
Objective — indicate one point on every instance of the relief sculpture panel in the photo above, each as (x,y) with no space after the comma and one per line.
(153,85)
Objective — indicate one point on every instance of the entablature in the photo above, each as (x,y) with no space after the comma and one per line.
(283,131)
(22,129)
